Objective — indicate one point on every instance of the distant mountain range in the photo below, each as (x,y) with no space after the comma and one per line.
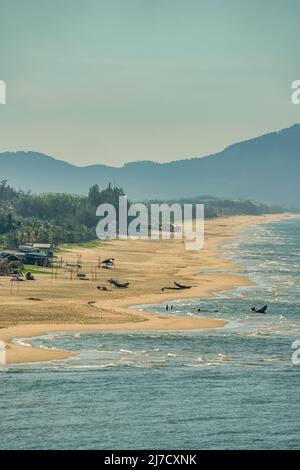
(266,168)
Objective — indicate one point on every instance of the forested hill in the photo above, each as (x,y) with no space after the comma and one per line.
(265,168)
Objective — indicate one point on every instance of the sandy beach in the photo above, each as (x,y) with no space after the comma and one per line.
(54,302)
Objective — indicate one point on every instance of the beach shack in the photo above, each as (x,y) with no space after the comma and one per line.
(10,263)
(40,254)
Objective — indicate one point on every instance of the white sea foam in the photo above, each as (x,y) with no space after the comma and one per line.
(22,343)
(199,359)
(128,351)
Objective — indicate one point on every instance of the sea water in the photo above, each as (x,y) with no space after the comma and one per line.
(230,388)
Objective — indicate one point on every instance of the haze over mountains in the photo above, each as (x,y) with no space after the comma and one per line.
(265,168)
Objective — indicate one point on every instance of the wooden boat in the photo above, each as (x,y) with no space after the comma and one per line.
(118,284)
(260,310)
(181,286)
(177,287)
(170,288)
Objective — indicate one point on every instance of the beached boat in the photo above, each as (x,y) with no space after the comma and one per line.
(181,286)
(118,284)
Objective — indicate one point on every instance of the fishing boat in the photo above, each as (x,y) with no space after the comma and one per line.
(260,310)
(118,284)
(181,286)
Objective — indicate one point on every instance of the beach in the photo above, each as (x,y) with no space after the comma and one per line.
(53,303)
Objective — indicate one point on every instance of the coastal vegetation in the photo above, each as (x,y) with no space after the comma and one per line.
(50,218)
(58,218)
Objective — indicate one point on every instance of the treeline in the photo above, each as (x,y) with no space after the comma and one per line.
(217,207)
(50,218)
(65,218)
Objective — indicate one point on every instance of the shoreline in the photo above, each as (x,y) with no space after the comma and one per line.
(113,314)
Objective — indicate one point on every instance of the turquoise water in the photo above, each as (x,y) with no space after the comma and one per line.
(231,388)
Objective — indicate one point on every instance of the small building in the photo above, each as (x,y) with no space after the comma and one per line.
(27,249)
(43,246)
(10,256)
(39,258)
(37,253)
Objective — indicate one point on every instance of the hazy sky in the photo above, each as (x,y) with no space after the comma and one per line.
(92,81)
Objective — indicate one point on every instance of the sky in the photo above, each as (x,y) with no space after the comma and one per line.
(92,81)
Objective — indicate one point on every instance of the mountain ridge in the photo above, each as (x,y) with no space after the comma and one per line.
(263,168)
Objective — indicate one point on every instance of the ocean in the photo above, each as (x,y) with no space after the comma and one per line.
(230,388)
